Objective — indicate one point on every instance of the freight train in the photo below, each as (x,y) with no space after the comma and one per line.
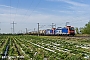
(68,30)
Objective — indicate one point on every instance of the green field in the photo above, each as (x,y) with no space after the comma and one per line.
(26,47)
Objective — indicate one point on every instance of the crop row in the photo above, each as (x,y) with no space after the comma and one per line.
(9,48)
(60,48)
(31,51)
(3,43)
(37,48)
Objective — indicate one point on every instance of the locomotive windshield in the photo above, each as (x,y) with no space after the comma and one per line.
(71,28)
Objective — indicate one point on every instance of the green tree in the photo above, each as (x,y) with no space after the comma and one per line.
(77,30)
(86,29)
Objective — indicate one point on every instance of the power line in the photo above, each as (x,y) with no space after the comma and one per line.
(67,23)
(17,8)
(10,9)
(28,9)
(34,8)
(53,25)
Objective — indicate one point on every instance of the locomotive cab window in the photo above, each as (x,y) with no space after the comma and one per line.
(72,28)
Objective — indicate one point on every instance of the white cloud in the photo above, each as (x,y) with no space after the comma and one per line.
(74,3)
(6,6)
(74,9)
(71,2)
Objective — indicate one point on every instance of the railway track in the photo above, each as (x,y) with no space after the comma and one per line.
(75,36)
(70,36)
(65,36)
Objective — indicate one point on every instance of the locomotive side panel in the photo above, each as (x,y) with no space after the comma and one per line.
(64,31)
(58,31)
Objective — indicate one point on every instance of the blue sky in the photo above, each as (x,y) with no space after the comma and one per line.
(27,13)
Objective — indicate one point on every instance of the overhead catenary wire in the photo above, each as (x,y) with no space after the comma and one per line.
(30,6)
(28,9)
(34,9)
(10,10)
(16,9)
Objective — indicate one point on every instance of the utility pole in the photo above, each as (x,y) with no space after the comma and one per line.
(52,25)
(11,30)
(13,26)
(0,23)
(34,29)
(26,31)
(67,23)
(55,25)
(21,31)
(38,29)
(0,29)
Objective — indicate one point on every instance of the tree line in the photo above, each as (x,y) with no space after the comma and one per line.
(83,30)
